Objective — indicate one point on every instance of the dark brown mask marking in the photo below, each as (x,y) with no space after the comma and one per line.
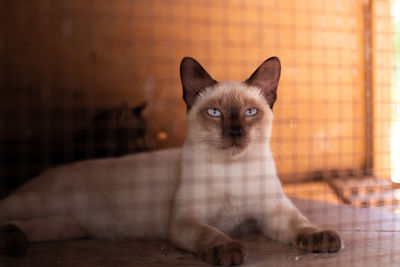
(266,77)
(233,127)
(194,79)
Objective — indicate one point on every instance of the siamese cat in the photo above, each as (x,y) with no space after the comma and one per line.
(223,177)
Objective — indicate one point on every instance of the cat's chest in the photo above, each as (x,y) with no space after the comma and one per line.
(222,193)
(230,185)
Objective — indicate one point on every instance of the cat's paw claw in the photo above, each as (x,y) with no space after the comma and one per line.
(13,241)
(319,242)
(226,254)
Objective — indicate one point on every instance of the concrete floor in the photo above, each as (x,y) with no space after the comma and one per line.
(371,237)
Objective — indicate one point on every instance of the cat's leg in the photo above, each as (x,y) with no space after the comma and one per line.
(285,223)
(15,235)
(210,244)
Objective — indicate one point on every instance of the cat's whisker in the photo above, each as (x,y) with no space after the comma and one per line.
(279,152)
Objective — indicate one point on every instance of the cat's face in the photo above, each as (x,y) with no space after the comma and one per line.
(229,116)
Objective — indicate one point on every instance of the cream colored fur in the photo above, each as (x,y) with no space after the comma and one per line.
(114,198)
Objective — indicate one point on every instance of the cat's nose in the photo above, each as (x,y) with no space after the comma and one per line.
(235,131)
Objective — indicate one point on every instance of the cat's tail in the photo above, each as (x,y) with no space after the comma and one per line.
(13,241)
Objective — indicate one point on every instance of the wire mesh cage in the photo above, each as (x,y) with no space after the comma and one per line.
(84,80)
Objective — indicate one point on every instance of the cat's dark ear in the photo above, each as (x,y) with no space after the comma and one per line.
(194,79)
(137,111)
(266,77)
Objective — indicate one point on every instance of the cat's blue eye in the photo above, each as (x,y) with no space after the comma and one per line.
(250,112)
(213,112)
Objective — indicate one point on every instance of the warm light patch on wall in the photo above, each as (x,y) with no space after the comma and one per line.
(395,94)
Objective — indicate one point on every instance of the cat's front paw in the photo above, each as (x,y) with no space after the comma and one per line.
(226,254)
(321,241)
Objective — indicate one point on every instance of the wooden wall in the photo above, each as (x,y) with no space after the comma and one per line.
(383,65)
(67,60)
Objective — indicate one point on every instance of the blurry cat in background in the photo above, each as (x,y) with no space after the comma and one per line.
(115,132)
(112,132)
